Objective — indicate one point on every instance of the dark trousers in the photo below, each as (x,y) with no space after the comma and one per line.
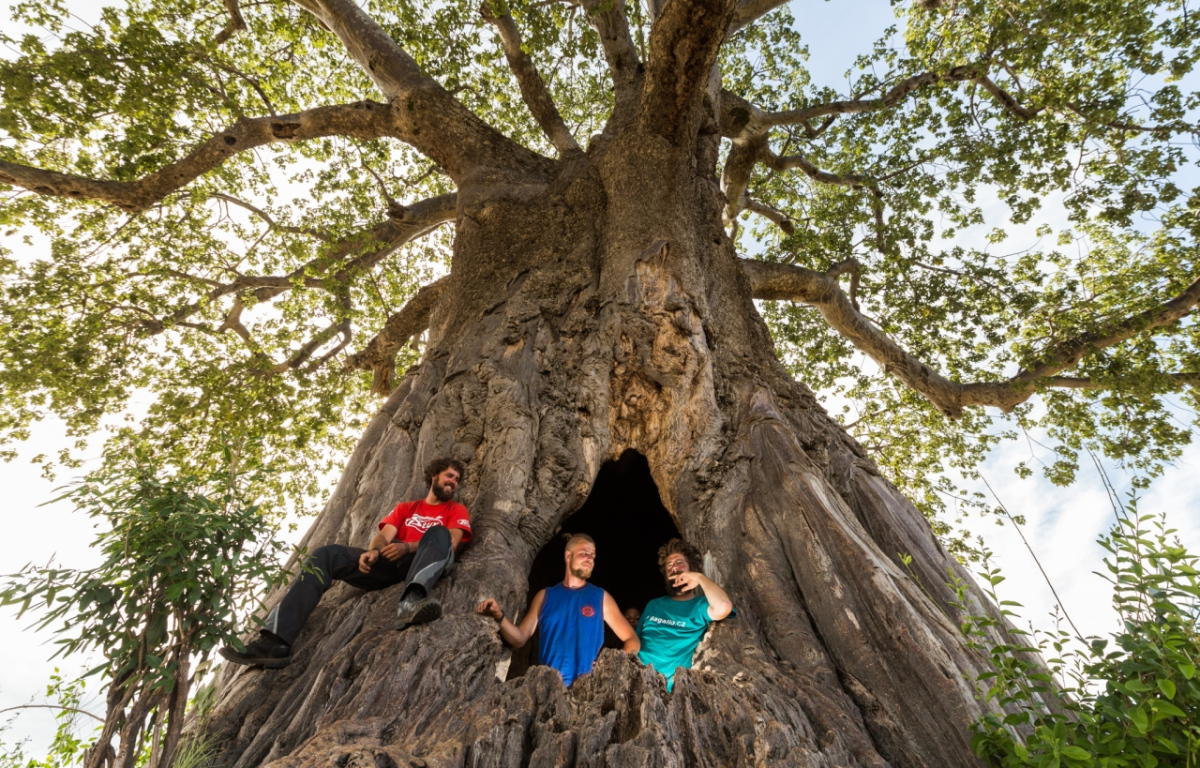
(335,562)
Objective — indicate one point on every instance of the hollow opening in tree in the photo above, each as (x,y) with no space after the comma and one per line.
(626,517)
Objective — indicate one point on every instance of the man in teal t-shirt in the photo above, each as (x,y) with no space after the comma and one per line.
(672,626)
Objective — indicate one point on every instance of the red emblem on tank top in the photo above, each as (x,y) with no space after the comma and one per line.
(588,611)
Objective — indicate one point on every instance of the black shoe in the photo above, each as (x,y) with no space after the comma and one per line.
(415,609)
(265,652)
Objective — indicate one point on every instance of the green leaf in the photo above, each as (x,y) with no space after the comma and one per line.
(1076,753)
(1167,687)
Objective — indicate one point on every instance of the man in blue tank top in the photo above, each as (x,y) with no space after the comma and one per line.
(572,616)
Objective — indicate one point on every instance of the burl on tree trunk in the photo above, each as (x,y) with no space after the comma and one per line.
(600,312)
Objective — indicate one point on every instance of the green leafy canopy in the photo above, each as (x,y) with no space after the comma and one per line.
(992,225)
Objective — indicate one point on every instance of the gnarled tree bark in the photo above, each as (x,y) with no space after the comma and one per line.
(581,320)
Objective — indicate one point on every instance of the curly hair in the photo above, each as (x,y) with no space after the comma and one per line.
(679,547)
(438,466)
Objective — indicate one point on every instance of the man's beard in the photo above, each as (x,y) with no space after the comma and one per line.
(581,571)
(442,492)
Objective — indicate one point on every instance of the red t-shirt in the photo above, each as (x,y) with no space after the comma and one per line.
(413,518)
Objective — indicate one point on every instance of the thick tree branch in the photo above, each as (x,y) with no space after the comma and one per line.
(780,218)
(608,18)
(749,11)
(739,167)
(791,162)
(744,124)
(379,355)
(428,117)
(533,88)
(682,50)
(236,22)
(791,283)
(363,120)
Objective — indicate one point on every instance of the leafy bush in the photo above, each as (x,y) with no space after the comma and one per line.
(1132,700)
(67,747)
(184,556)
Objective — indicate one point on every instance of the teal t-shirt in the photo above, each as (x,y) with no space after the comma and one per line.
(670,630)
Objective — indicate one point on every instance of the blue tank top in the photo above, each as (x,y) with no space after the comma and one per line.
(571,627)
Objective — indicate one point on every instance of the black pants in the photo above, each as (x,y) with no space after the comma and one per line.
(335,562)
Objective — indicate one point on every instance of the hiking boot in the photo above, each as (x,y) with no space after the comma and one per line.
(265,652)
(415,609)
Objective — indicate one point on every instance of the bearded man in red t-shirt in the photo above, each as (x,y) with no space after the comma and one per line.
(415,545)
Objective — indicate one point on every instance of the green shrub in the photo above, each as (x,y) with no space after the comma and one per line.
(184,557)
(1131,700)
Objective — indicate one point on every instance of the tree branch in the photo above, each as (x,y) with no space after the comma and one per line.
(337,327)
(266,217)
(791,283)
(976,73)
(379,355)
(608,18)
(894,96)
(855,181)
(780,218)
(852,267)
(1190,379)
(363,120)
(683,47)
(428,117)
(1006,99)
(739,167)
(76,710)
(749,11)
(744,124)
(236,22)
(233,321)
(533,88)
(1012,105)
(403,225)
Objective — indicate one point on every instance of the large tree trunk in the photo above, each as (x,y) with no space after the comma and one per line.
(600,312)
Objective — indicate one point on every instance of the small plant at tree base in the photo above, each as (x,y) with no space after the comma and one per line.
(183,558)
(66,747)
(1132,701)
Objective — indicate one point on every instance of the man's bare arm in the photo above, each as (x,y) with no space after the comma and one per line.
(380,543)
(719,604)
(516,635)
(620,625)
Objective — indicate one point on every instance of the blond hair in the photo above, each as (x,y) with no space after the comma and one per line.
(574,539)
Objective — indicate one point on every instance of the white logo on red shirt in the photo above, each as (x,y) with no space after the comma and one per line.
(422,523)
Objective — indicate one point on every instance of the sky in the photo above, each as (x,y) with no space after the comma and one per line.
(1062,524)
